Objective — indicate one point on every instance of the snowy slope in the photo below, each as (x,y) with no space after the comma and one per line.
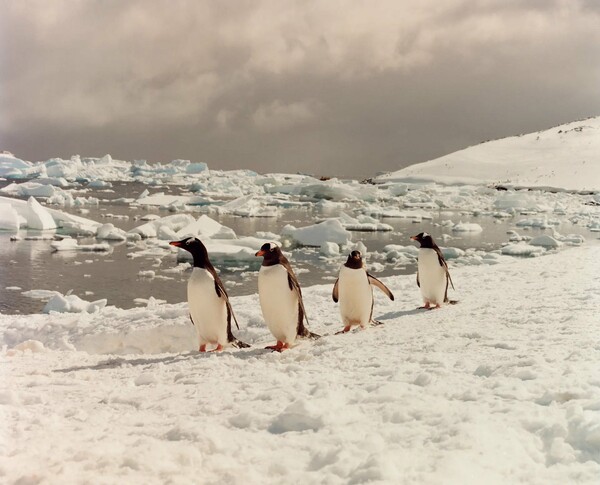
(495,390)
(566,157)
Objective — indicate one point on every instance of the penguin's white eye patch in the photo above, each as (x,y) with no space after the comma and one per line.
(425,234)
(272,246)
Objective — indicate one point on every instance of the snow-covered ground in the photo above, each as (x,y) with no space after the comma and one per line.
(566,157)
(503,387)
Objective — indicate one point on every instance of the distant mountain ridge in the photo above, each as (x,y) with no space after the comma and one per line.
(565,157)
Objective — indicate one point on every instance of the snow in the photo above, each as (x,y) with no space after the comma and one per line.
(483,388)
(566,157)
(502,385)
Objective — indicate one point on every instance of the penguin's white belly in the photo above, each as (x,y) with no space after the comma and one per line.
(278,303)
(432,276)
(355,296)
(208,311)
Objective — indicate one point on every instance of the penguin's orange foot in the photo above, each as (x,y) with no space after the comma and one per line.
(427,306)
(218,348)
(345,330)
(202,348)
(278,347)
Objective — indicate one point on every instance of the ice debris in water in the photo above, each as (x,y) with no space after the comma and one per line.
(330,230)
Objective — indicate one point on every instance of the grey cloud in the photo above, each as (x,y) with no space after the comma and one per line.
(290,86)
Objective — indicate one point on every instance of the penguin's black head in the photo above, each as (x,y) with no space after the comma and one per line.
(196,248)
(354,260)
(271,253)
(424,239)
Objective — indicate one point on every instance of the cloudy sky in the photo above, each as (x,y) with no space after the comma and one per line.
(329,87)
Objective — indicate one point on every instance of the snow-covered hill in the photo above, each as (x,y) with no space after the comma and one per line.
(566,157)
(501,388)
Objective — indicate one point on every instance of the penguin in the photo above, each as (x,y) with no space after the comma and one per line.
(208,302)
(354,291)
(432,272)
(281,298)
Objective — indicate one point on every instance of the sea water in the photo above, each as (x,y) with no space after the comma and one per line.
(27,264)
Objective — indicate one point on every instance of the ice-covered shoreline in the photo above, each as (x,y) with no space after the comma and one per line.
(504,384)
(562,158)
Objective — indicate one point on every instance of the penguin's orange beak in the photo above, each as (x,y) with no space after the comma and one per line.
(413,238)
(175,243)
(260,253)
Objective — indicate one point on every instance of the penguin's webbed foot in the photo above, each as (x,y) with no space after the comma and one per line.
(218,348)
(346,329)
(278,347)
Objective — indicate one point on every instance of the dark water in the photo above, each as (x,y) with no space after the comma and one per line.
(30,264)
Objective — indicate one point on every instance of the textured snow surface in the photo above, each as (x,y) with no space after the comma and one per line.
(503,387)
(565,157)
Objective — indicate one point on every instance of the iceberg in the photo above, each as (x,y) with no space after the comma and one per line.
(13,167)
(9,219)
(38,217)
(29,189)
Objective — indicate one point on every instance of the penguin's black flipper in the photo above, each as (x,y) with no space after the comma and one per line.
(335,293)
(222,293)
(375,282)
(443,264)
(295,286)
(191,320)
(418,282)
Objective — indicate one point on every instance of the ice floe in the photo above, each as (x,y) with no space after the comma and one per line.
(330,230)
(68,244)
(467,227)
(72,304)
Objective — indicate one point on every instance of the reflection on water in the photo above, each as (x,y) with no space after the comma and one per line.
(30,264)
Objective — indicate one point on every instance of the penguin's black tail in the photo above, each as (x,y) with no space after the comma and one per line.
(238,344)
(310,335)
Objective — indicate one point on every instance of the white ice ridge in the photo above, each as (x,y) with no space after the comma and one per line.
(566,157)
(503,385)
